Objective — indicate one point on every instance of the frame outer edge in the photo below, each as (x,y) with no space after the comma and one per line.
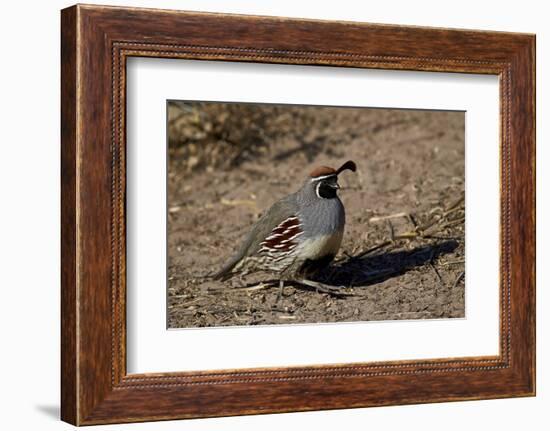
(69,202)
(531,64)
(533,54)
(523,216)
(531,78)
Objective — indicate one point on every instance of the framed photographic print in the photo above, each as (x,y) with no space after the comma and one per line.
(265,215)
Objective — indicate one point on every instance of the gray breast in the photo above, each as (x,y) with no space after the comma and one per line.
(323,217)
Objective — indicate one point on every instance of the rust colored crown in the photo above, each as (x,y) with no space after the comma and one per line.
(322,171)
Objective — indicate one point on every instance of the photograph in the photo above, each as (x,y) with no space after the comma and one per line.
(296,214)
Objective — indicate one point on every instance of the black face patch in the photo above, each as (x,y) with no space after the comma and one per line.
(326,189)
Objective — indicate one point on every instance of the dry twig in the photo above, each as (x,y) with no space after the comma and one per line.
(460,276)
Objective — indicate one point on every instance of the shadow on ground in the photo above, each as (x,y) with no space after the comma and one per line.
(369,270)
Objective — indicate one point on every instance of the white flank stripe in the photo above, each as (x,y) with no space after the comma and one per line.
(291,238)
(285,232)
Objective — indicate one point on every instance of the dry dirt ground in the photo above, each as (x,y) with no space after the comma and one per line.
(402,256)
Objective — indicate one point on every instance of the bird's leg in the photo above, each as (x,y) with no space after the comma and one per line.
(324,288)
(281,288)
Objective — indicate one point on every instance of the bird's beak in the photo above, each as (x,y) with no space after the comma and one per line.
(335,186)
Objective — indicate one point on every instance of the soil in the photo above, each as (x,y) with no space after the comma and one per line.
(402,256)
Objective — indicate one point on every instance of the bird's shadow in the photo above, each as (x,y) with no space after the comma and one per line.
(367,270)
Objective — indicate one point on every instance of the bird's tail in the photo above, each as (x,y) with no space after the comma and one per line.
(225,273)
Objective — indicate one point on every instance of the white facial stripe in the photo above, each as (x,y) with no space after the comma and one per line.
(317,190)
(318,187)
(322,177)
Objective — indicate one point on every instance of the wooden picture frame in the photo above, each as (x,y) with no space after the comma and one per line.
(96,41)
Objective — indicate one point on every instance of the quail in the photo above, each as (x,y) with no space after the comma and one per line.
(299,235)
